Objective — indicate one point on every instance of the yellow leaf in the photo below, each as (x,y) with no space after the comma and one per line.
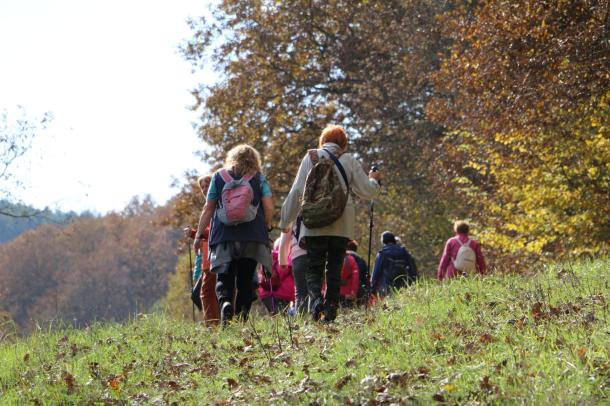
(449,387)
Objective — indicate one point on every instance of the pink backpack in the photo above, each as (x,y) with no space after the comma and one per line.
(236,200)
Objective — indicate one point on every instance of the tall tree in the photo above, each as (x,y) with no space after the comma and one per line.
(289,68)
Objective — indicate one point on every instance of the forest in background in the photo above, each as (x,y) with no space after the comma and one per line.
(495,111)
(92,269)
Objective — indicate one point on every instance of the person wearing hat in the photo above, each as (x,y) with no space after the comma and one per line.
(394,267)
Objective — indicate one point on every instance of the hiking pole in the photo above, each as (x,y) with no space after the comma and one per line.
(371,208)
(273,308)
(371,212)
(368,293)
(191,274)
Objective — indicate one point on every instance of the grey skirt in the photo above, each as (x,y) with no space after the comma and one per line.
(222,254)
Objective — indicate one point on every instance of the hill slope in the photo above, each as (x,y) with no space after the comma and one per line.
(500,339)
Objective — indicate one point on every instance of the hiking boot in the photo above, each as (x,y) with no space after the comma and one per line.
(330,314)
(226,313)
(317,309)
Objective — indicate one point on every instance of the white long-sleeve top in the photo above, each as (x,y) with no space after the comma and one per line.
(359,183)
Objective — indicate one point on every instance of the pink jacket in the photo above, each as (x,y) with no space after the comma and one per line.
(282,281)
(446,269)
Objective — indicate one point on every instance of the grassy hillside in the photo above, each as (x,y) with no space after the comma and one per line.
(538,339)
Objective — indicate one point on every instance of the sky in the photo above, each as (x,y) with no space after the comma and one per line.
(110,73)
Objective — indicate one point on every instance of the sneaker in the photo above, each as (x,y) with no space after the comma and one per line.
(317,310)
(226,313)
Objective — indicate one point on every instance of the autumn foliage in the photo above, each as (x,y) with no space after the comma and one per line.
(524,94)
(494,111)
(106,268)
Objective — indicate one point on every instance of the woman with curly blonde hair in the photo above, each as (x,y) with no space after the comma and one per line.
(243,159)
(241,206)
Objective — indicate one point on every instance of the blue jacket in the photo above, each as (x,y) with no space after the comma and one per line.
(379,279)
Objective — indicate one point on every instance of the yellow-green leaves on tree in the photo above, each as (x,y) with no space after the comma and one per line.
(550,193)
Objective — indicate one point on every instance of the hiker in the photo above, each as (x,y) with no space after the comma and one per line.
(328,213)
(364,286)
(240,201)
(462,254)
(276,291)
(350,280)
(394,267)
(291,253)
(205,281)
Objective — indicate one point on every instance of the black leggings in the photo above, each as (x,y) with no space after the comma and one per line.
(240,275)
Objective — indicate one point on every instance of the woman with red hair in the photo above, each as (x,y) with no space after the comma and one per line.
(326,245)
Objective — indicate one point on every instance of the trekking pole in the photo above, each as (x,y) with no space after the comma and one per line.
(371,212)
(191,274)
(368,293)
(273,307)
(371,206)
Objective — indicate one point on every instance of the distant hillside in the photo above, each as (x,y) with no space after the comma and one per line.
(94,268)
(15,219)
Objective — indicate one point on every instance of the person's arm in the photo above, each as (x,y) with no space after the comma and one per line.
(292,204)
(413,266)
(376,273)
(204,222)
(365,186)
(285,245)
(267,202)
(189,232)
(442,266)
(268,210)
(481,266)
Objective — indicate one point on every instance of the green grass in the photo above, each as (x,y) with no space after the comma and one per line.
(541,339)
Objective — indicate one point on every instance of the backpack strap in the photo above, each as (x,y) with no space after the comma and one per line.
(248,178)
(313,155)
(339,166)
(225,175)
(459,242)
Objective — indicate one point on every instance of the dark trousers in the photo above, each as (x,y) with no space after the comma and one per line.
(240,275)
(325,253)
(299,272)
(275,306)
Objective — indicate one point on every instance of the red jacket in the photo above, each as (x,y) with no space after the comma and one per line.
(446,268)
(350,277)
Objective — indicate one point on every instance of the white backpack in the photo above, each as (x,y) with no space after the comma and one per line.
(465,260)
